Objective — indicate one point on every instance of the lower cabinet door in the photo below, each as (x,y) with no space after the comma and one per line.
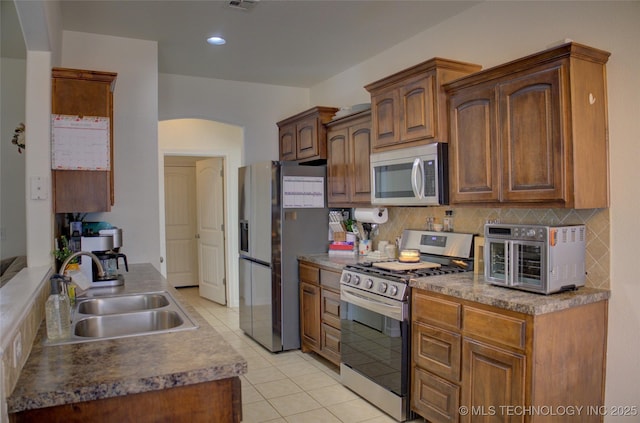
(492,382)
(434,398)
(330,343)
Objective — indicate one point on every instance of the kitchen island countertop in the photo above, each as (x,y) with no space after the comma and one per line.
(72,373)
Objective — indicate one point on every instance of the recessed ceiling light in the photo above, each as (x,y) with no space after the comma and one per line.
(216,41)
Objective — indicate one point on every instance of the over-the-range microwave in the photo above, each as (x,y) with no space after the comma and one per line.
(414,176)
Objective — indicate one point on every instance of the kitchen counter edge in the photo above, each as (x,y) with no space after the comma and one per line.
(473,287)
(72,373)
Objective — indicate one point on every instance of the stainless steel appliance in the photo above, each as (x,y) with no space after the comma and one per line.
(535,258)
(282,213)
(106,246)
(415,176)
(375,321)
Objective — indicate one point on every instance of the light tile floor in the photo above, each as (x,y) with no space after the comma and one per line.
(288,387)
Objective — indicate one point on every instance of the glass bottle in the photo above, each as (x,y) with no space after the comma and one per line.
(57,312)
(448,221)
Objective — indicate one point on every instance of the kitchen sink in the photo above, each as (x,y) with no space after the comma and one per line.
(119,316)
(115,325)
(122,304)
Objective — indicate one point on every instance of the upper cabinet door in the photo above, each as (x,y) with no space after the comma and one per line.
(307,134)
(473,148)
(360,150)
(418,118)
(288,142)
(385,118)
(530,119)
(338,166)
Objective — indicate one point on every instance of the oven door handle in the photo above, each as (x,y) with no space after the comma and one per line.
(397,312)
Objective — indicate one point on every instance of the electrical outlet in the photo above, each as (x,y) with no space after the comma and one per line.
(17,349)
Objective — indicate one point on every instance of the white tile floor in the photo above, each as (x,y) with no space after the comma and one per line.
(289,387)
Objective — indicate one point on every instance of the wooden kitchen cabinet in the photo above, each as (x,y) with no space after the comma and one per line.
(488,359)
(408,108)
(303,137)
(320,311)
(83,93)
(532,132)
(348,150)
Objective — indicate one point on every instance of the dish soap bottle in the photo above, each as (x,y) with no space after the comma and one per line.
(58,312)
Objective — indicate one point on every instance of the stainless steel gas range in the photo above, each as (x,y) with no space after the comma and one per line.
(375,319)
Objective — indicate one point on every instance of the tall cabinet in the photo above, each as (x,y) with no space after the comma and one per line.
(83,93)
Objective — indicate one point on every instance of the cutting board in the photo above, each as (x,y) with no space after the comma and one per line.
(398,266)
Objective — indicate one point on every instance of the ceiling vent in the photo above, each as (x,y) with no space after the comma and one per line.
(245,5)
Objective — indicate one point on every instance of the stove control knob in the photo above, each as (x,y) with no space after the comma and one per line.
(393,290)
(383,287)
(369,283)
(356,280)
(346,278)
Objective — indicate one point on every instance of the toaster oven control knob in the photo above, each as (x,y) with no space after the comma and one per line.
(531,232)
(393,290)
(369,283)
(356,279)
(383,287)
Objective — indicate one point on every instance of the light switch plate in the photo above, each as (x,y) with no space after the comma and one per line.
(39,188)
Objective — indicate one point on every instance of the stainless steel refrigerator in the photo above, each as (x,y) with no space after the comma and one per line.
(282,213)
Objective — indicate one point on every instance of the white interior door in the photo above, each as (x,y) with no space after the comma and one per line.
(210,225)
(180,224)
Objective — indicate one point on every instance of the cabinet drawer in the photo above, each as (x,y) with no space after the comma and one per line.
(437,350)
(330,279)
(497,328)
(330,308)
(330,343)
(428,309)
(308,273)
(434,398)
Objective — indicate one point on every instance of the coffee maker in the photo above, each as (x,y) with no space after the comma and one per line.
(106,246)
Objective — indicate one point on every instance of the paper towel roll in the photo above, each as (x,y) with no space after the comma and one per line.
(373,215)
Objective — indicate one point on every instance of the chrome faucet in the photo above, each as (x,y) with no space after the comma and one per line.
(95,259)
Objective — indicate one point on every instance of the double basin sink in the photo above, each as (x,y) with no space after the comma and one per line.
(120,316)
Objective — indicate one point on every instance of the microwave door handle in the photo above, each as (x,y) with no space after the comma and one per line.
(417,176)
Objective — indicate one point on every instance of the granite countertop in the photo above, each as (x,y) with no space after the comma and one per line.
(64,374)
(472,287)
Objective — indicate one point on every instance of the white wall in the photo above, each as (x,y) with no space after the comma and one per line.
(197,137)
(495,32)
(135,138)
(13,225)
(255,107)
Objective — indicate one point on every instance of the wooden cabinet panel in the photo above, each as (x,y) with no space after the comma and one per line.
(330,308)
(438,311)
(83,93)
(434,398)
(473,139)
(418,105)
(498,358)
(309,316)
(303,137)
(348,171)
(320,311)
(330,344)
(518,131)
(498,328)
(492,378)
(437,350)
(310,274)
(408,107)
(531,138)
(287,135)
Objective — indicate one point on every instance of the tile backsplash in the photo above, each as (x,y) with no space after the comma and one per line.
(472,220)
